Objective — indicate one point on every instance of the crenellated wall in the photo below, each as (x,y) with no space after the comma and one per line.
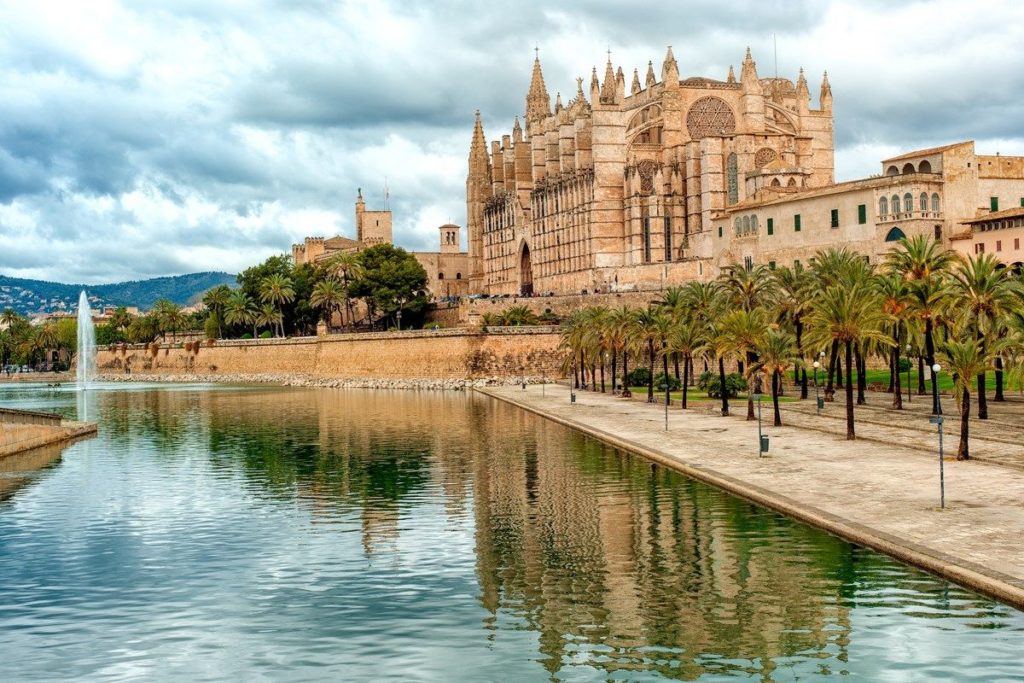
(441,354)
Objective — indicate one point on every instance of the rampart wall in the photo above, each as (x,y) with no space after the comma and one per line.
(442,354)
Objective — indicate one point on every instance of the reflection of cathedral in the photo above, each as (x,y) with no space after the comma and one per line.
(606,192)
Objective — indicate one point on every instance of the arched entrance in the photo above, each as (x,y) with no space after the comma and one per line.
(525,272)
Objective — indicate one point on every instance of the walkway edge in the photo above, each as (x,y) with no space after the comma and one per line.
(968,574)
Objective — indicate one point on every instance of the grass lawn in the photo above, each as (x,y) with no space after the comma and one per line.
(945,380)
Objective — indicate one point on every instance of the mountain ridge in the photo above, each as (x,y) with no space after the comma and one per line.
(28,296)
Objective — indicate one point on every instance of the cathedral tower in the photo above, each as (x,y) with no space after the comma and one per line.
(478,191)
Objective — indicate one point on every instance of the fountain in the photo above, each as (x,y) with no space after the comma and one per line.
(86,370)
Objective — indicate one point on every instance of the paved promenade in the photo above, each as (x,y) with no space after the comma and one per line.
(873,492)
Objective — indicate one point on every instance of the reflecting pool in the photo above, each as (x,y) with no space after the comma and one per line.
(266,534)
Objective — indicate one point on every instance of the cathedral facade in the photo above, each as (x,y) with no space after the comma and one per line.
(617,191)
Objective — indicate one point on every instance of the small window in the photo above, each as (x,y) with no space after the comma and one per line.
(458,276)
(753,224)
(835,218)
(796,264)
(668,239)
(1016,243)
(739,227)
(771,265)
(935,202)
(979,248)
(440,276)
(748,263)
(719,230)
(771,226)
(862,214)
(883,206)
(938,232)
(924,201)
(796,223)
(999,245)
(895,235)
(895,201)
(746,225)
(1022,201)
(993,203)
(647,240)
(908,202)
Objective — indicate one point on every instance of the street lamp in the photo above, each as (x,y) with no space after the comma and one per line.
(937,420)
(908,373)
(762,440)
(665,388)
(817,396)
(572,389)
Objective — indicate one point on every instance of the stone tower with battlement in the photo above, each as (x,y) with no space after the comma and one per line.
(616,188)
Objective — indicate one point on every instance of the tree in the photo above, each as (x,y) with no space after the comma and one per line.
(392,278)
(986,294)
(622,330)
(240,310)
(776,353)
(329,296)
(896,302)
(346,268)
(964,360)
(686,339)
(793,296)
(847,313)
(120,319)
(276,290)
(268,316)
(740,334)
(215,299)
(9,317)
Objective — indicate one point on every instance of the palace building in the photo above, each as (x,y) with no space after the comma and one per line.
(673,179)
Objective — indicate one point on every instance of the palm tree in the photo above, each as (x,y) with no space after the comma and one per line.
(518,315)
(985,293)
(776,353)
(215,299)
(964,360)
(896,302)
(347,268)
(847,313)
(673,303)
(9,317)
(47,339)
(240,310)
(794,288)
(277,290)
(621,324)
(328,295)
(268,316)
(686,339)
(653,327)
(741,333)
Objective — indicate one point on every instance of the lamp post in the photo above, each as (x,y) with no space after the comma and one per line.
(762,440)
(937,420)
(665,387)
(908,373)
(572,389)
(817,396)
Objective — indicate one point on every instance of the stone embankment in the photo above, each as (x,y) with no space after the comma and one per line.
(300,380)
(24,430)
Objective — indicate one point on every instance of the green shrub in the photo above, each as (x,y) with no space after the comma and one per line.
(639,377)
(709,382)
(266,334)
(905,365)
(246,336)
(673,383)
(211,327)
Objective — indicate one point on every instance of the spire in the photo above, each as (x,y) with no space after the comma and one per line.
(826,94)
(748,74)
(558,102)
(620,85)
(635,88)
(801,85)
(517,131)
(479,144)
(670,70)
(608,86)
(732,75)
(595,86)
(538,103)
(651,80)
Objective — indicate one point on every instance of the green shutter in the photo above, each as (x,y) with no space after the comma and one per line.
(993,203)
(771,222)
(771,265)
(796,223)
(1022,201)
(719,230)
(862,213)
(835,218)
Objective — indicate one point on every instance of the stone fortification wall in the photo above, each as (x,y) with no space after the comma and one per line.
(443,354)
(471,310)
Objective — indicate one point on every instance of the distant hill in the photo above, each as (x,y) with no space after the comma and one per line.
(39,296)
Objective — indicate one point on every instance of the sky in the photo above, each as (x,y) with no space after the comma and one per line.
(149,138)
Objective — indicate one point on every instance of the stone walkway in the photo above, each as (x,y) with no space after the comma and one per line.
(875,491)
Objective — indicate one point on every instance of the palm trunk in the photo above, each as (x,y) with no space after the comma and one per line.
(963,452)
(615,358)
(675,362)
(721,380)
(920,376)
(576,374)
(850,435)
(776,380)
(593,376)
(664,363)
(897,391)
(650,375)
(861,376)
(839,372)
(602,373)
(893,370)
(929,346)
(830,391)
(686,377)
(626,393)
(982,398)
(800,352)
(999,380)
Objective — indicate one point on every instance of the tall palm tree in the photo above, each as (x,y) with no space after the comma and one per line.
(215,299)
(741,333)
(794,287)
(964,360)
(986,293)
(277,289)
(748,289)
(847,313)
(47,339)
(329,296)
(895,299)
(685,340)
(653,327)
(673,303)
(240,310)
(9,317)
(621,324)
(776,353)
(268,316)
(347,268)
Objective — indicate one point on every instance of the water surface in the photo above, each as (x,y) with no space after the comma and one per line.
(265,534)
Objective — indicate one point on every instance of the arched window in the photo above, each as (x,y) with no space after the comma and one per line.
(739,226)
(895,203)
(746,225)
(892,170)
(924,167)
(732,170)
(776,183)
(753,224)
(440,276)
(908,168)
(924,201)
(791,183)
(883,206)
(895,235)
(935,202)
(908,202)
(458,276)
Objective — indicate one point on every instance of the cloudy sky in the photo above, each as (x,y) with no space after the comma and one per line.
(154,137)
